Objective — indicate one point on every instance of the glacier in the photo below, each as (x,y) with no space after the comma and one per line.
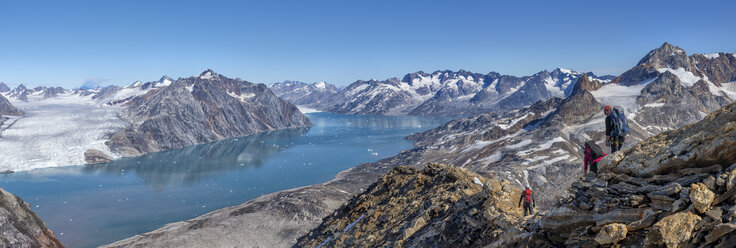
(57,131)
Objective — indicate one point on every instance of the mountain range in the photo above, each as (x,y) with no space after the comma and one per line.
(538,145)
(486,158)
(441,93)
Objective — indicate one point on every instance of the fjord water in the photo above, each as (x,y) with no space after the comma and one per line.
(91,205)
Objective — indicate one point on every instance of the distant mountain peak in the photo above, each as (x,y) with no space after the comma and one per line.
(207,74)
(563,70)
(666,55)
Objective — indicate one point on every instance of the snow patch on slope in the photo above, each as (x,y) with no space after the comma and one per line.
(711,55)
(686,78)
(306,110)
(242,97)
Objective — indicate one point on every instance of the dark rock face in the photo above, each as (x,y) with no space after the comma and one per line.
(8,109)
(447,207)
(96,157)
(584,83)
(20,227)
(316,95)
(680,105)
(720,70)
(201,109)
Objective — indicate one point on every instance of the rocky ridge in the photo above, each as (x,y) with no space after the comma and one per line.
(20,227)
(675,189)
(436,206)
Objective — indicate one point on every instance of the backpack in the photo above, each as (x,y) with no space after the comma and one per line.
(527,195)
(620,126)
(594,150)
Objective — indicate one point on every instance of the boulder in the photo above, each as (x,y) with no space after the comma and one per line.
(674,230)
(93,156)
(611,233)
(701,197)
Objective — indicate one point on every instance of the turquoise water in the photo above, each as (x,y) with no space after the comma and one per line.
(87,206)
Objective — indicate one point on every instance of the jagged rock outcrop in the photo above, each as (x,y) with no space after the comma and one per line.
(671,189)
(6,108)
(584,83)
(20,227)
(94,156)
(436,206)
(198,110)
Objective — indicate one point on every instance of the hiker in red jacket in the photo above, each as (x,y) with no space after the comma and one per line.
(528,199)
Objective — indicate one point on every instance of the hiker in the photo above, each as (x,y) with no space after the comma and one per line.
(528,199)
(593,154)
(616,127)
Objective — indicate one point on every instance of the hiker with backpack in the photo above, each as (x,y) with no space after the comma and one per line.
(529,203)
(616,127)
(593,154)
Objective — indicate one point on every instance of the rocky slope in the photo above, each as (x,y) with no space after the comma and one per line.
(316,95)
(198,110)
(437,206)
(675,189)
(451,93)
(6,108)
(20,227)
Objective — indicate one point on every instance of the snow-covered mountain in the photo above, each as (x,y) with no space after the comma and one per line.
(442,93)
(315,95)
(201,109)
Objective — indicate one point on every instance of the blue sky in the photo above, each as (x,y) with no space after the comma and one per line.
(118,42)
